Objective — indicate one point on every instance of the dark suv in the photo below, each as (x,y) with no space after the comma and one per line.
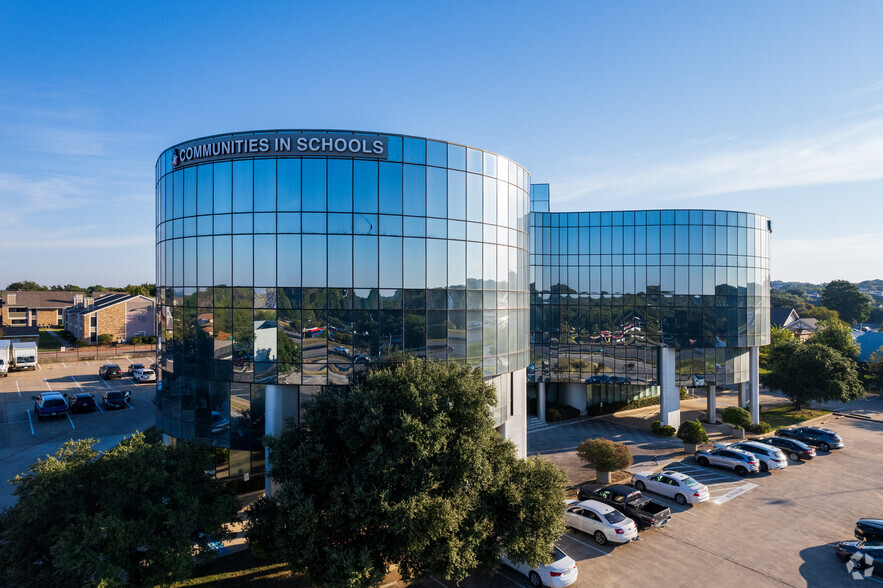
(47,404)
(796,450)
(116,398)
(824,439)
(110,371)
(81,402)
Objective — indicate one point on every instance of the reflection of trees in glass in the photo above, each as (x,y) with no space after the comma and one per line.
(415,330)
(243,333)
(289,355)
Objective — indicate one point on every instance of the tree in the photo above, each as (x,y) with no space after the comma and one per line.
(852,306)
(137,515)
(836,335)
(777,335)
(606,455)
(875,366)
(819,312)
(736,415)
(811,373)
(144,289)
(692,432)
(408,470)
(105,339)
(27,285)
(780,299)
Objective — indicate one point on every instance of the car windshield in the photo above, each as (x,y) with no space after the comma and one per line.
(115,395)
(146,372)
(614,517)
(690,482)
(54,402)
(557,554)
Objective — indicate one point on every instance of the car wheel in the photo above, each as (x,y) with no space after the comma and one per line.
(703,461)
(600,538)
(824,447)
(794,456)
(740,470)
(535,579)
(764,467)
(681,499)
(640,486)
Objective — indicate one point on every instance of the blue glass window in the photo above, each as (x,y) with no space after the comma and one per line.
(265,185)
(288,174)
(365,264)
(391,188)
(313,195)
(314,261)
(436,153)
(340,261)
(415,150)
(243,186)
(414,190)
(204,194)
(391,262)
(414,263)
(365,186)
(243,261)
(436,192)
(289,254)
(223,190)
(340,185)
(457,194)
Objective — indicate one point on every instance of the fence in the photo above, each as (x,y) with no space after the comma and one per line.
(97,352)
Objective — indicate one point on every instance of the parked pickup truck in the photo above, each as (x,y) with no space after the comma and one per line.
(630,502)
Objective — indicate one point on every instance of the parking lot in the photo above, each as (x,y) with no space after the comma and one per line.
(24,439)
(769,529)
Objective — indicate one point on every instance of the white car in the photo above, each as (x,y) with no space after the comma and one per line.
(604,523)
(771,458)
(681,487)
(145,375)
(561,572)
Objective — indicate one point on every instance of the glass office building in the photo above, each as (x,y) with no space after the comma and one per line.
(610,289)
(288,261)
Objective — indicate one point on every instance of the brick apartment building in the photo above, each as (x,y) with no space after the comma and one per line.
(121,315)
(34,309)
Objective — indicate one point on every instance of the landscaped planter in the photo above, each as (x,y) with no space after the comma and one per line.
(691,447)
(738,433)
(604,477)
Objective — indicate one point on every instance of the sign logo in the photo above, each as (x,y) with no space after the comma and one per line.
(860,566)
(283,143)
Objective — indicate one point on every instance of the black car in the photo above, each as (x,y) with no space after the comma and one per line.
(869,530)
(794,449)
(116,398)
(135,366)
(110,371)
(824,439)
(81,402)
(870,552)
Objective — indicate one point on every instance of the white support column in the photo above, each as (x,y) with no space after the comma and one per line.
(711,413)
(743,395)
(541,401)
(280,403)
(754,384)
(669,397)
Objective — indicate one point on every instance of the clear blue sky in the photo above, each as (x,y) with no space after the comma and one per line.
(770,107)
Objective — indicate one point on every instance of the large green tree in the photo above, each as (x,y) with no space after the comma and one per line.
(811,373)
(836,335)
(29,285)
(140,514)
(777,335)
(852,306)
(407,470)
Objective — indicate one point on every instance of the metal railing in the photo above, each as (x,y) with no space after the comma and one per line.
(96,352)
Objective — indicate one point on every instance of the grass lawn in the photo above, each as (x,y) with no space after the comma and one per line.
(47,341)
(244,569)
(785,415)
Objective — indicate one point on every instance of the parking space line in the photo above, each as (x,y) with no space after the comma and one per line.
(71,420)
(734,493)
(103,381)
(500,573)
(668,502)
(571,537)
(48,386)
(18,389)
(65,367)
(30,422)
(437,582)
(39,367)
(133,381)
(89,364)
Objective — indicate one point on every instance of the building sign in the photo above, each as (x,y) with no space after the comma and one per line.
(281,143)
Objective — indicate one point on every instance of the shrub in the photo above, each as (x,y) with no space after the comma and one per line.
(657,428)
(737,416)
(606,455)
(564,411)
(760,428)
(136,340)
(552,415)
(683,393)
(82,343)
(105,339)
(150,340)
(692,432)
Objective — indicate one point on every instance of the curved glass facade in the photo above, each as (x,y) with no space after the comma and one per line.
(608,289)
(282,270)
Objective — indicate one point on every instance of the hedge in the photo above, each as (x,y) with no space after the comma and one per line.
(606,455)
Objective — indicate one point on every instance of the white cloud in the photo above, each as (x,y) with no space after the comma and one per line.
(22,195)
(848,153)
